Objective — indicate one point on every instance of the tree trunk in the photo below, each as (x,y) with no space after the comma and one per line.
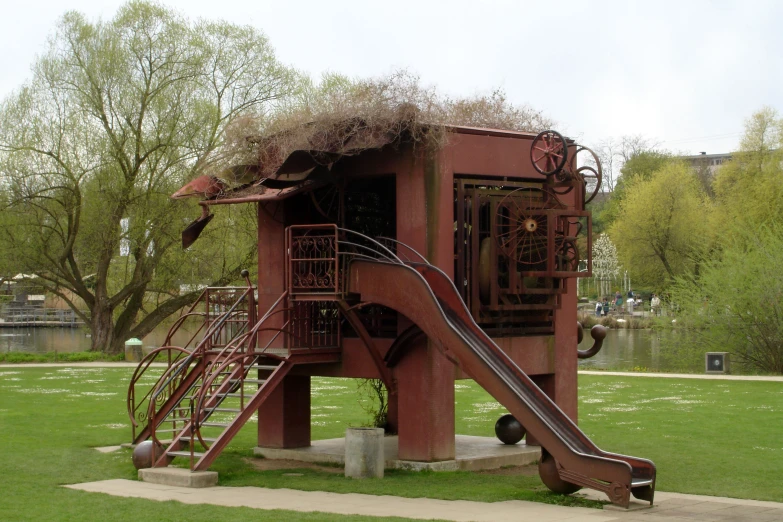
(102,327)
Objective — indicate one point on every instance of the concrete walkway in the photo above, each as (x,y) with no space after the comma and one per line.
(98,364)
(104,364)
(670,507)
(770,378)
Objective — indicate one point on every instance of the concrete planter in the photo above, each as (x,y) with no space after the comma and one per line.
(364,453)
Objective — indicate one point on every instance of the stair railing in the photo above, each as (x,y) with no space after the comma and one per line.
(135,405)
(238,349)
(135,410)
(166,380)
(234,353)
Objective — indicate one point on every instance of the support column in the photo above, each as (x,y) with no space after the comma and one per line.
(392,413)
(425,382)
(284,418)
(565,386)
(562,386)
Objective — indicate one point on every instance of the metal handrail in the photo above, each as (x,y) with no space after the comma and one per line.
(371,240)
(245,337)
(132,408)
(198,351)
(212,371)
(140,370)
(411,249)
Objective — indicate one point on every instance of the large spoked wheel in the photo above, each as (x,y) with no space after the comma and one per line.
(549,152)
(521,225)
(592,182)
(329,201)
(590,172)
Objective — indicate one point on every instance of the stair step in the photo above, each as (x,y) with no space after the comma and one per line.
(169,430)
(234,395)
(177,419)
(196,454)
(256,381)
(215,424)
(263,367)
(183,411)
(226,410)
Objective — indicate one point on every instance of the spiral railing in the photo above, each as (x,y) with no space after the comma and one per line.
(177,361)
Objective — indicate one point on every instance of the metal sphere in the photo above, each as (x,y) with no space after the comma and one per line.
(142,454)
(509,430)
(547,470)
(598,332)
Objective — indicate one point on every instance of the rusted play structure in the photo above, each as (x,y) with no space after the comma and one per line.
(410,263)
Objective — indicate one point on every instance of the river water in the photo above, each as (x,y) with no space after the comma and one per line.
(622,349)
(640,350)
(65,340)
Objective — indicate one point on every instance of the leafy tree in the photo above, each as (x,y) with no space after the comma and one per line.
(615,153)
(639,166)
(605,264)
(119,114)
(749,188)
(736,303)
(662,226)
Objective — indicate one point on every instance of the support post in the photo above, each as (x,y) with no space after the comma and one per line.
(425,384)
(284,418)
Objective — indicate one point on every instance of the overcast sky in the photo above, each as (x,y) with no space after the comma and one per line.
(685,73)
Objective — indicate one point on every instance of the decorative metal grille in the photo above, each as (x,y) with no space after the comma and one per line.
(314,324)
(313,266)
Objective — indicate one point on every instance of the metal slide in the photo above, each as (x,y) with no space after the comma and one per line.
(427,296)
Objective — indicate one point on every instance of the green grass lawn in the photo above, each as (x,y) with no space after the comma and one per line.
(710,437)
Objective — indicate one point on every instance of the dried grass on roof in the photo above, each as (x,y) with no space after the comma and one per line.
(341,117)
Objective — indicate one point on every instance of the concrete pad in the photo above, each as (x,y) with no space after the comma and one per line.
(179,477)
(471,454)
(633,506)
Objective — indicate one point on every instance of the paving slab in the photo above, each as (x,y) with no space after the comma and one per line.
(471,454)
(179,477)
(350,504)
(673,507)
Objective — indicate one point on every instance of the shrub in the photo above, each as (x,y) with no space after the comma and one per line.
(734,305)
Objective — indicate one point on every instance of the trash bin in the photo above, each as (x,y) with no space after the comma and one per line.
(133,350)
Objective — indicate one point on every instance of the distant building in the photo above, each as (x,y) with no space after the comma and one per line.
(707,162)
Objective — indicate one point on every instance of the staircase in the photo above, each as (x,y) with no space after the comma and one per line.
(206,394)
(219,407)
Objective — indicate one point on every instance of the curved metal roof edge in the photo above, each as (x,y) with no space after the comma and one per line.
(484,131)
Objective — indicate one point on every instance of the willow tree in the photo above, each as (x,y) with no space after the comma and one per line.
(662,228)
(116,116)
(749,188)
